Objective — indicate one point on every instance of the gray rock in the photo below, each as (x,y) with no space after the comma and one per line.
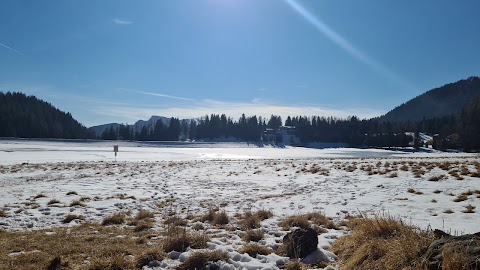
(468,245)
(300,243)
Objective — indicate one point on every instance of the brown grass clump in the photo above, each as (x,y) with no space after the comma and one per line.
(249,221)
(143,214)
(71,217)
(294,221)
(57,264)
(3,213)
(295,265)
(200,259)
(448,211)
(460,198)
(72,193)
(179,239)
(77,203)
(253,249)
(40,195)
(114,263)
(469,209)
(148,256)
(114,219)
(437,178)
(381,243)
(263,214)
(454,257)
(253,235)
(53,201)
(221,218)
(437,191)
(175,221)
(143,226)
(70,248)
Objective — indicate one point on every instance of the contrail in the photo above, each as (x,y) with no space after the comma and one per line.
(345,45)
(155,94)
(11,49)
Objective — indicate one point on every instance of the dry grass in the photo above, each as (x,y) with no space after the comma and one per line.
(454,257)
(436,178)
(114,219)
(175,221)
(253,235)
(253,249)
(295,265)
(448,211)
(143,225)
(77,203)
(3,213)
(148,256)
(69,218)
(88,246)
(263,214)
(381,243)
(200,259)
(249,221)
(40,195)
(179,239)
(300,221)
(72,193)
(220,218)
(469,209)
(461,198)
(143,214)
(53,201)
(307,220)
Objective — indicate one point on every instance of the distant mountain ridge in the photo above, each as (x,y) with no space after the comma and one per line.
(442,101)
(98,130)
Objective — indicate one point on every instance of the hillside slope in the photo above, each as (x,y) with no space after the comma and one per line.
(28,117)
(446,100)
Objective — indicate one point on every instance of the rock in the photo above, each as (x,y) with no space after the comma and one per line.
(466,246)
(300,243)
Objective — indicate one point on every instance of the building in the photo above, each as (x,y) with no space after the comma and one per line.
(283,135)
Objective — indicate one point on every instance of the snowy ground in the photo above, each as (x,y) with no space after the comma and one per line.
(240,177)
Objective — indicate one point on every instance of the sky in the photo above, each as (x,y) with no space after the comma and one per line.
(121,61)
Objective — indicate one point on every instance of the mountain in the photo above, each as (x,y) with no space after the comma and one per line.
(98,130)
(446,100)
(28,117)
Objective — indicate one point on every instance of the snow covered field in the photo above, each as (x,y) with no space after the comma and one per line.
(423,188)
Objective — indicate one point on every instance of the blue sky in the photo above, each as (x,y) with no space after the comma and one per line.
(120,61)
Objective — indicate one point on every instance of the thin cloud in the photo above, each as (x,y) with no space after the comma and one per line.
(118,21)
(11,49)
(344,44)
(156,94)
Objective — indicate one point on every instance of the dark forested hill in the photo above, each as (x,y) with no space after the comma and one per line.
(446,100)
(28,117)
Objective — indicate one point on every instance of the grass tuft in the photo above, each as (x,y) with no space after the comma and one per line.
(71,217)
(53,201)
(253,249)
(114,219)
(254,235)
(469,209)
(148,256)
(143,214)
(381,243)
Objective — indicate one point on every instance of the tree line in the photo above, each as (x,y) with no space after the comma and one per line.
(24,116)
(460,131)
